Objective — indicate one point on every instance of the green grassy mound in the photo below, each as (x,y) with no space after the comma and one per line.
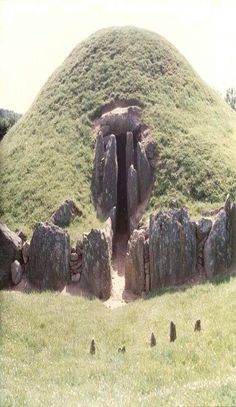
(45,340)
(47,156)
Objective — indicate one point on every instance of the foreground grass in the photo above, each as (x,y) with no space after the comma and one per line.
(45,358)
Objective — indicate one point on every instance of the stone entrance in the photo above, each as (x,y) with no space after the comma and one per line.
(123,173)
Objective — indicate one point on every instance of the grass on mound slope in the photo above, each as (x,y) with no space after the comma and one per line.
(47,156)
(45,358)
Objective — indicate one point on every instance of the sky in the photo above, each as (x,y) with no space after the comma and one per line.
(37,35)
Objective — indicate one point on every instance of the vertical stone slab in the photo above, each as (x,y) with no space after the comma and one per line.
(132,197)
(144,172)
(49,257)
(96,265)
(110,176)
(129,151)
(98,168)
(134,266)
(203,227)
(172,248)
(216,247)
(233,233)
(227,208)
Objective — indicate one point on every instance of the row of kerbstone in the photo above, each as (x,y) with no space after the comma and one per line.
(177,250)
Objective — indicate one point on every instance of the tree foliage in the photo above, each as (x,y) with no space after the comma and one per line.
(7,119)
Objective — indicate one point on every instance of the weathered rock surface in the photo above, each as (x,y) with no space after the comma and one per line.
(96,265)
(121,120)
(21,235)
(129,151)
(10,250)
(49,257)
(16,272)
(134,265)
(216,247)
(110,176)
(203,227)
(98,169)
(132,197)
(233,233)
(144,173)
(65,213)
(172,248)
(25,252)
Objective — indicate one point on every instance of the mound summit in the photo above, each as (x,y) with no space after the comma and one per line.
(47,157)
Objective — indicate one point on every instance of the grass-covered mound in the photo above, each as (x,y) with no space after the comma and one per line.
(47,156)
(45,340)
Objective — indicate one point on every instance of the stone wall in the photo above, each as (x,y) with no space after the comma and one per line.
(168,251)
(175,250)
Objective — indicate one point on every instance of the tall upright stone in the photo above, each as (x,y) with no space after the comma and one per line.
(129,150)
(96,264)
(98,168)
(216,247)
(144,172)
(132,197)
(203,227)
(49,257)
(134,266)
(172,248)
(233,233)
(110,177)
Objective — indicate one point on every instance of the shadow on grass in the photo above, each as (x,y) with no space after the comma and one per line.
(217,280)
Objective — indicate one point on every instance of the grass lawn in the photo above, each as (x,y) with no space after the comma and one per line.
(45,340)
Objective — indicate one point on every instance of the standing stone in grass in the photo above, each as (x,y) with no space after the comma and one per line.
(134,264)
(172,248)
(16,272)
(197,326)
(153,340)
(92,347)
(96,264)
(49,257)
(216,247)
(122,350)
(172,332)
(10,250)
(65,213)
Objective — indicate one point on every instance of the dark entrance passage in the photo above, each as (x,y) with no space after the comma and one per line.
(121,235)
(122,209)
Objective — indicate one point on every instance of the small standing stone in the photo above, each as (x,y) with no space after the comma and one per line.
(172,332)
(122,350)
(197,326)
(92,347)
(16,272)
(153,340)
